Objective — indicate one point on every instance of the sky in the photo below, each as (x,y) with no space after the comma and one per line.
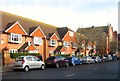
(66,13)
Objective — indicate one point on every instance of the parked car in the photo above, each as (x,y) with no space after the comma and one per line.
(88,60)
(57,61)
(74,60)
(104,59)
(97,59)
(28,62)
(109,58)
(114,57)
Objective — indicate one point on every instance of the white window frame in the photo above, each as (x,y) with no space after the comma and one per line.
(74,45)
(37,40)
(66,44)
(53,42)
(51,52)
(15,38)
(33,51)
(13,51)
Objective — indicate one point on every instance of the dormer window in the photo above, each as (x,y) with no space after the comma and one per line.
(37,40)
(15,38)
(53,42)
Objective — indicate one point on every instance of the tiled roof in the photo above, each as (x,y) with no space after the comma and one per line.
(23,46)
(93,32)
(62,31)
(58,48)
(50,34)
(30,25)
(31,29)
(9,19)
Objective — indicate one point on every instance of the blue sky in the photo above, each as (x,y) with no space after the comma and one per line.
(70,13)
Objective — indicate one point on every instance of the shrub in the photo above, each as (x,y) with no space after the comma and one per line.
(15,55)
(65,55)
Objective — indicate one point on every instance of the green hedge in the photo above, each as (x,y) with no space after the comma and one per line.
(65,55)
(14,55)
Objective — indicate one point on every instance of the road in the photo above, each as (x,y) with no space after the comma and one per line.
(107,70)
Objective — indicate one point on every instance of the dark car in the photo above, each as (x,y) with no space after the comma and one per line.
(56,61)
(74,60)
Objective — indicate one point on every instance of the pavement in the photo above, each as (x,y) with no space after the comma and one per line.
(7,68)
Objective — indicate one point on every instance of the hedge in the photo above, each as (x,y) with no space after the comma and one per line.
(15,55)
(65,55)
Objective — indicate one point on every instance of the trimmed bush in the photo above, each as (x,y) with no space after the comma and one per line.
(65,55)
(15,55)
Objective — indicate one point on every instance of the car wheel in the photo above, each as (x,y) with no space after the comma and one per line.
(67,64)
(57,65)
(26,68)
(73,64)
(43,67)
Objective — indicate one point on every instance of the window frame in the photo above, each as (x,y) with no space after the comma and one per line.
(13,51)
(64,43)
(53,43)
(74,45)
(35,40)
(15,38)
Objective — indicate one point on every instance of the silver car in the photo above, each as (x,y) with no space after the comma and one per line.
(28,62)
(88,60)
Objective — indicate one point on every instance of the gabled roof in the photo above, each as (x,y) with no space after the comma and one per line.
(58,48)
(63,31)
(93,32)
(50,34)
(11,25)
(26,23)
(25,46)
(31,29)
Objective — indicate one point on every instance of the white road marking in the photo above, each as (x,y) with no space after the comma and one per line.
(70,75)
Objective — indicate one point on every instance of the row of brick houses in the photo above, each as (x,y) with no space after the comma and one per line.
(19,34)
(100,37)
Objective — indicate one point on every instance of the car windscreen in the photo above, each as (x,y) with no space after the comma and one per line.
(19,58)
(69,58)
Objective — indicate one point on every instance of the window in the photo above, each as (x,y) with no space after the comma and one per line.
(53,42)
(29,58)
(13,51)
(37,40)
(33,51)
(51,52)
(71,34)
(15,38)
(35,59)
(66,44)
(74,45)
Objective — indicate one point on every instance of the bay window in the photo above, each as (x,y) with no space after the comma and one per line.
(15,38)
(37,40)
